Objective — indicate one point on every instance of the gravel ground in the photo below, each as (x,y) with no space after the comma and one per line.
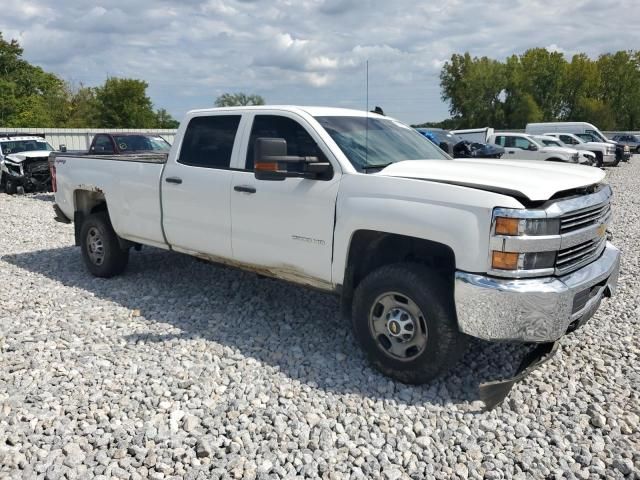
(180,369)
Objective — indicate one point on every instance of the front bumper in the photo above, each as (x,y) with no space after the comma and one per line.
(535,309)
(610,158)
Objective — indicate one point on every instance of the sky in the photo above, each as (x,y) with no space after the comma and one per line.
(303,52)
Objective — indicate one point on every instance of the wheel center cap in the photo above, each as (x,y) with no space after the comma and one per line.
(394,327)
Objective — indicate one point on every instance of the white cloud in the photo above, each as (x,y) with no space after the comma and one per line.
(301,51)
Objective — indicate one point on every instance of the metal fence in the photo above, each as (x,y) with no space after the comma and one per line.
(81,138)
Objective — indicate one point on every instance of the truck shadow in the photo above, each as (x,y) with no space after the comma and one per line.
(296,330)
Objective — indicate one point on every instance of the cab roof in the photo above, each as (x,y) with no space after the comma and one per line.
(313,111)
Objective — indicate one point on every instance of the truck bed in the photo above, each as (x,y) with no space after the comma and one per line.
(133,179)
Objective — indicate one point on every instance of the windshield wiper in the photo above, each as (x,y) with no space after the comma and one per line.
(378,166)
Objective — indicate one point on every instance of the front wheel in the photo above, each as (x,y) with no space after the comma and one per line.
(101,250)
(405,320)
(10,187)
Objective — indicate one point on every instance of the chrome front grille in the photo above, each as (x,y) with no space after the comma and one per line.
(585,217)
(572,258)
(591,222)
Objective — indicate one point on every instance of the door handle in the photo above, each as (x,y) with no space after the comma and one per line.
(511,152)
(244,188)
(175,180)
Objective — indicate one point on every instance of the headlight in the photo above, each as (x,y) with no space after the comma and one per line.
(522,261)
(12,168)
(523,243)
(611,151)
(529,226)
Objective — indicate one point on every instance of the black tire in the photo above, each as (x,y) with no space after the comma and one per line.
(106,258)
(616,162)
(555,160)
(421,285)
(599,157)
(10,187)
(638,150)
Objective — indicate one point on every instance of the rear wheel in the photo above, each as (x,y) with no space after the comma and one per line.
(101,249)
(404,319)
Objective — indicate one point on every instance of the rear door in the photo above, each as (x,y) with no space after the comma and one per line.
(196,186)
(285,226)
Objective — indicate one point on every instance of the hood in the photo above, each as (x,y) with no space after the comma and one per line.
(562,150)
(597,144)
(535,180)
(22,156)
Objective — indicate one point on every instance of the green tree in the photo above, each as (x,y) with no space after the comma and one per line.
(83,107)
(620,73)
(473,87)
(123,103)
(165,120)
(581,82)
(29,96)
(238,99)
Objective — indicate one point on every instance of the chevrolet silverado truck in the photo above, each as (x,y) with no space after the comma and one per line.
(527,147)
(424,251)
(24,163)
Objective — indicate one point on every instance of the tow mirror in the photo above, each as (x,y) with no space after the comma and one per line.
(271,162)
(62,148)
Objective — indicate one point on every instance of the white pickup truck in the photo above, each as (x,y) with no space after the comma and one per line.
(424,250)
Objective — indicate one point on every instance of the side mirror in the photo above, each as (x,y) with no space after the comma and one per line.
(271,162)
(62,148)
(533,148)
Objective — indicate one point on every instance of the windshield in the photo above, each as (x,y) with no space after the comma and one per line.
(376,143)
(138,143)
(599,136)
(550,143)
(588,137)
(17,146)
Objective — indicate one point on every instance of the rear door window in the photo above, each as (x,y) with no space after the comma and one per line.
(500,140)
(208,141)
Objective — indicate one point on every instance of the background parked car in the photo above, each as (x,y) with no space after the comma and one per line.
(24,163)
(121,143)
(605,152)
(630,140)
(524,147)
(586,158)
(459,147)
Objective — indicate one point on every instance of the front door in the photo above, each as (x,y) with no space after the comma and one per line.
(520,148)
(196,187)
(285,227)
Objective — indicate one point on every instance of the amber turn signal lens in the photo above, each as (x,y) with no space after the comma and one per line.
(266,166)
(504,260)
(507,226)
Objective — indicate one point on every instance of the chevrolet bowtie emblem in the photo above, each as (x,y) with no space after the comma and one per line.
(602,229)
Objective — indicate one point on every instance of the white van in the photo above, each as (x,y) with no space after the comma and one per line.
(567,127)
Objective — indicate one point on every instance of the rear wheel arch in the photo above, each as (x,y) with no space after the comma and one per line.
(87,202)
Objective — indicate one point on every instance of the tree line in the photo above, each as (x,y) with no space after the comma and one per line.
(542,86)
(31,97)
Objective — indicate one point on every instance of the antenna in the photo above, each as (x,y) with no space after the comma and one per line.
(366,120)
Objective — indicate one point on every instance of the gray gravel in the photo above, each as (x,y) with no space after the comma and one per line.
(180,369)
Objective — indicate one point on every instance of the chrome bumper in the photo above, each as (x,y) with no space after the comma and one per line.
(609,158)
(535,309)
